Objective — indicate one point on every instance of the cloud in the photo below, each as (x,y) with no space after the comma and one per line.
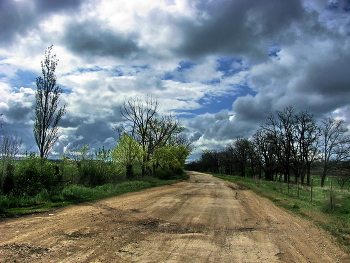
(18,107)
(92,38)
(236,27)
(18,18)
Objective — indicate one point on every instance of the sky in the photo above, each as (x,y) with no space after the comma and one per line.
(220,66)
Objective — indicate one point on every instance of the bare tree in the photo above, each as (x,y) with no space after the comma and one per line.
(335,145)
(148,128)
(281,129)
(295,138)
(308,134)
(47,111)
(140,114)
(266,149)
(242,155)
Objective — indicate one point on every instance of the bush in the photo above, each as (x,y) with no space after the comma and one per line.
(34,175)
(163,174)
(95,172)
(9,182)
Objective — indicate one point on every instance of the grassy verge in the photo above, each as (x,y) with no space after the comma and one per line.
(44,201)
(335,218)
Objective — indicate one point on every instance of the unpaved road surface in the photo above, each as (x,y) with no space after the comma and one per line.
(203,219)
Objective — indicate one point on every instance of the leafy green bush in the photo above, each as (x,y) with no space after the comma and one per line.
(163,174)
(34,175)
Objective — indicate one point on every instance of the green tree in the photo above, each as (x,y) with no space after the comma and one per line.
(128,152)
(150,129)
(170,159)
(47,112)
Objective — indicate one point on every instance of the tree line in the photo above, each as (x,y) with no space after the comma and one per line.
(283,148)
(149,142)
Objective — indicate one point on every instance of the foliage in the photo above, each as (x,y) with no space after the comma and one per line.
(11,204)
(128,152)
(34,175)
(150,130)
(10,146)
(171,157)
(91,169)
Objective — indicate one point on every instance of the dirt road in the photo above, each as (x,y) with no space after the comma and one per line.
(203,219)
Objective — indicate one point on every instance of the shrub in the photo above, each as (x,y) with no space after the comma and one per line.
(34,175)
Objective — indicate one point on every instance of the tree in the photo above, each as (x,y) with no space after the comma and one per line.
(140,115)
(281,130)
(47,111)
(335,145)
(150,129)
(266,149)
(128,152)
(242,155)
(210,160)
(308,134)
(170,159)
(226,159)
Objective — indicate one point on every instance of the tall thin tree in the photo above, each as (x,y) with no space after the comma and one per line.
(47,111)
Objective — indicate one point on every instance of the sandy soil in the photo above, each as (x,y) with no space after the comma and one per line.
(203,219)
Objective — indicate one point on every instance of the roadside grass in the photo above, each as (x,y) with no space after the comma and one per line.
(72,194)
(334,218)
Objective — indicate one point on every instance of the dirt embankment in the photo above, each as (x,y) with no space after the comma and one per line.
(202,220)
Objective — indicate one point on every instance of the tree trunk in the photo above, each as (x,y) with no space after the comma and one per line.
(129,171)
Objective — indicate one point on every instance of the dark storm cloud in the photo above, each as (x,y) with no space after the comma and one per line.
(57,5)
(252,109)
(236,27)
(92,38)
(18,112)
(17,18)
(92,133)
(72,121)
(19,107)
(331,78)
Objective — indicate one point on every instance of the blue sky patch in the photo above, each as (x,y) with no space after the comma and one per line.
(273,50)
(24,78)
(141,68)
(229,66)
(184,65)
(214,81)
(214,104)
(168,76)
(93,69)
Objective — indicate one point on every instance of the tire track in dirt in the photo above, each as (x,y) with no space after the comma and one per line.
(204,219)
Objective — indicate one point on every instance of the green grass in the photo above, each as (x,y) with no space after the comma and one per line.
(336,220)
(17,205)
